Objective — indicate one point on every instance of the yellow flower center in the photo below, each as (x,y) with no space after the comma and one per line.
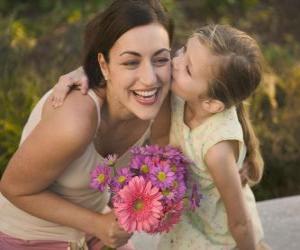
(138,204)
(121,179)
(175,184)
(174,168)
(101,178)
(145,169)
(161,176)
(166,192)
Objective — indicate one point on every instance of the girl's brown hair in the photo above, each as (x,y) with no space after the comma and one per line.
(238,75)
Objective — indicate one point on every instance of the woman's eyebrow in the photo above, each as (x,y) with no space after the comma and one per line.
(162,50)
(130,53)
(138,54)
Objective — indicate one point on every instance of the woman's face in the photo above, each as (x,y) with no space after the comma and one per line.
(138,71)
(192,69)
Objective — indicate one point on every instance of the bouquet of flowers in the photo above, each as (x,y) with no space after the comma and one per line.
(149,194)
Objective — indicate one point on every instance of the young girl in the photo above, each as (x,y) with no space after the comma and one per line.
(212,75)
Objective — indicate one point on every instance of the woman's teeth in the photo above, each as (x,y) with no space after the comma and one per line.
(148,97)
(145,94)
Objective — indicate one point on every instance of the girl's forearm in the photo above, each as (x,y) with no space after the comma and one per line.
(51,207)
(243,234)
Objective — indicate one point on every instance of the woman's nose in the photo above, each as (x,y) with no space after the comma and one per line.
(148,74)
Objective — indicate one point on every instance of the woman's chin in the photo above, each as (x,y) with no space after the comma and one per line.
(146,115)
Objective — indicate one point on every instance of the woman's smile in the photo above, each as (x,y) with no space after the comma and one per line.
(146,97)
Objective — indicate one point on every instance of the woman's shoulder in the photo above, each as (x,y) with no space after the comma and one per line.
(78,113)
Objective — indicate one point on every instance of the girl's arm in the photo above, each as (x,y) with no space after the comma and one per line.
(221,162)
(60,137)
(74,79)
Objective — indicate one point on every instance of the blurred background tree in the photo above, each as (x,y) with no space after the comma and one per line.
(41,40)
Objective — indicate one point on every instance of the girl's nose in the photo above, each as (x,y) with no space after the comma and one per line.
(175,62)
(177,57)
(178,52)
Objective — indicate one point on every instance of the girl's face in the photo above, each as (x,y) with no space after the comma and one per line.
(138,72)
(192,69)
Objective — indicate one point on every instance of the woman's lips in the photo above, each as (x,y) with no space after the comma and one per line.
(146,97)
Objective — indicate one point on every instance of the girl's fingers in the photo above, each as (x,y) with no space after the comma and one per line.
(84,85)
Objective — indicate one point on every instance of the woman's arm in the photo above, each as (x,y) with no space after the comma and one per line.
(221,162)
(60,137)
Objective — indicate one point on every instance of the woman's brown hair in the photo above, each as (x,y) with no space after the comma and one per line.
(238,75)
(107,27)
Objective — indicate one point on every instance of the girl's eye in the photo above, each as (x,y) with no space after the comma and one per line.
(188,70)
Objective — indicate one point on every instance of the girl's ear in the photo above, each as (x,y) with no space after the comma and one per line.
(104,66)
(214,106)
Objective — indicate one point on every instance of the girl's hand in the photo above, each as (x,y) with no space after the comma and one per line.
(244,173)
(110,232)
(75,79)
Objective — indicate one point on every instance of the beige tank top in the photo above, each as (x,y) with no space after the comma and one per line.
(72,185)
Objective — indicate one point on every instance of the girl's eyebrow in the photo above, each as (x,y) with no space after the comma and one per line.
(139,55)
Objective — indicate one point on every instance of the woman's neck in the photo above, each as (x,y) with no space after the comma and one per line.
(115,116)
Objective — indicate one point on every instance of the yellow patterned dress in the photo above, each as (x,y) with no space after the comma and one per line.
(207,227)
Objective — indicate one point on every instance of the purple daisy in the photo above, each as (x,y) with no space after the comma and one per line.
(110,160)
(162,176)
(100,177)
(121,178)
(148,150)
(195,197)
(169,195)
(141,165)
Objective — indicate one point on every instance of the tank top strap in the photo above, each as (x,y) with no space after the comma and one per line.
(95,98)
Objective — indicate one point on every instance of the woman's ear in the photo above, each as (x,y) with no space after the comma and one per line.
(103,66)
(214,106)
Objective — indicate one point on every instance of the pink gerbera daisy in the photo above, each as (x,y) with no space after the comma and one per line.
(138,206)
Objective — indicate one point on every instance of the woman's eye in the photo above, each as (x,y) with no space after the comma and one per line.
(131,63)
(162,61)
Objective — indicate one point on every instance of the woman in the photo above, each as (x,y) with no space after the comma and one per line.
(46,202)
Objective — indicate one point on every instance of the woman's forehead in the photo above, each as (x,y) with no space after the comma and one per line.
(143,38)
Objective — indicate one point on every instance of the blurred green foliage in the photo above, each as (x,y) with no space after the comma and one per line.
(41,40)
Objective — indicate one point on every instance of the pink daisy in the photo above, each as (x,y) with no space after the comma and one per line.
(138,206)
